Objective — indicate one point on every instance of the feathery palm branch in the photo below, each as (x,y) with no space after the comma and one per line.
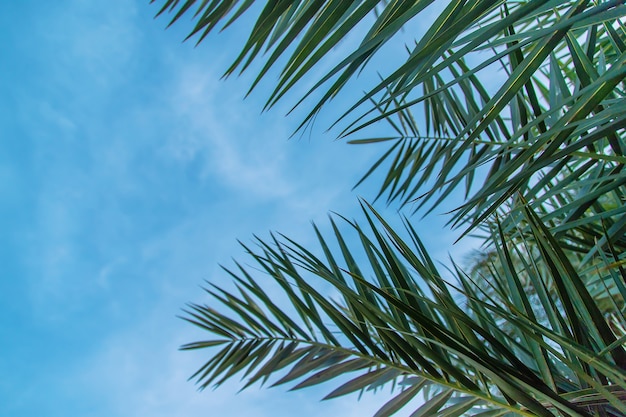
(395,318)
(553,131)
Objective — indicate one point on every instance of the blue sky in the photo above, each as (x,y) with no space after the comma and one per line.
(127,172)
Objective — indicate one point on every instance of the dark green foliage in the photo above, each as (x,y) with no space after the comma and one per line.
(536,327)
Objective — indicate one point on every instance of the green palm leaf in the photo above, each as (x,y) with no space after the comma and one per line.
(480,351)
(549,132)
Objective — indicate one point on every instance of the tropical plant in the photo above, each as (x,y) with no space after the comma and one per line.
(537,327)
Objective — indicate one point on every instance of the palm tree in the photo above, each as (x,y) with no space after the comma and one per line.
(537,327)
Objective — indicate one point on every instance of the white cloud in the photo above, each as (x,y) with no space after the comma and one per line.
(235,148)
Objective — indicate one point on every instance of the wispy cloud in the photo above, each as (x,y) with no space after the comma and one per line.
(216,128)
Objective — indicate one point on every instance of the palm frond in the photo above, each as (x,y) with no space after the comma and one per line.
(394,317)
(552,131)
